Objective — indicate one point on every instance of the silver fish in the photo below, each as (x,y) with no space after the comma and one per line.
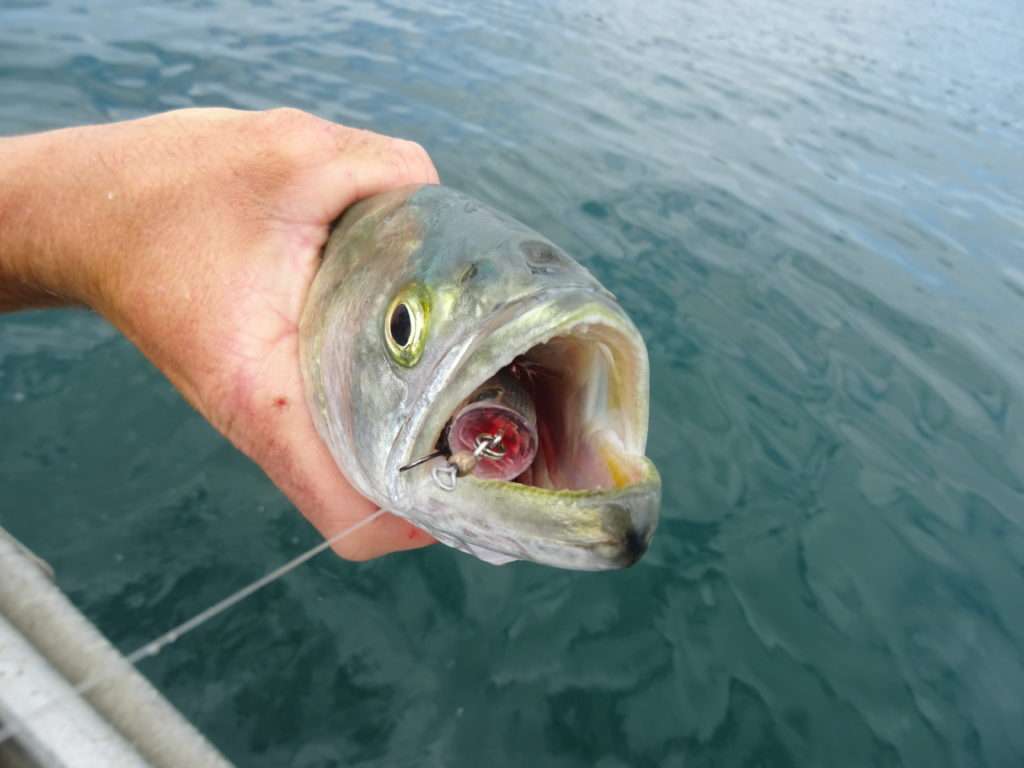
(423,295)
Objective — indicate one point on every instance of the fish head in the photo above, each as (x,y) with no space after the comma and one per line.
(424,294)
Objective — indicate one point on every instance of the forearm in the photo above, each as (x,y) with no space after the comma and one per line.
(197,234)
(50,216)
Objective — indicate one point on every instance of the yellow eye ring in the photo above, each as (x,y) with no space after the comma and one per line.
(405,325)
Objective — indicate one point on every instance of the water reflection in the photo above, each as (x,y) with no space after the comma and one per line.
(814,214)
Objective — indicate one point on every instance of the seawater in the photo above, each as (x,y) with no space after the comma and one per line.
(815,213)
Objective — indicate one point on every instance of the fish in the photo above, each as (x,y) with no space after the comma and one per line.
(424,295)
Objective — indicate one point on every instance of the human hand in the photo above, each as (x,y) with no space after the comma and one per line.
(197,233)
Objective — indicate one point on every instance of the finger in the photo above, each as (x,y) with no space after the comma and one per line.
(288,448)
(366,163)
(311,479)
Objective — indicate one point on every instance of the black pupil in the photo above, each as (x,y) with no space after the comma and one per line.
(401,325)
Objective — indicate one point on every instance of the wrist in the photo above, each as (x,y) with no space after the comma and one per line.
(50,208)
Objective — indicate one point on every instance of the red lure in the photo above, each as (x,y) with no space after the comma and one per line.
(500,406)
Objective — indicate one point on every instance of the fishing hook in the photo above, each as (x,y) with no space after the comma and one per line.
(462,463)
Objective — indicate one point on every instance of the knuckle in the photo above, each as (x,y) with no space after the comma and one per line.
(411,159)
(291,133)
(411,149)
(285,118)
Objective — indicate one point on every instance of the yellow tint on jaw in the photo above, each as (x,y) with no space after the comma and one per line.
(618,470)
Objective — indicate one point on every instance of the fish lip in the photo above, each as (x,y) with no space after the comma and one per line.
(443,396)
(636,545)
(629,516)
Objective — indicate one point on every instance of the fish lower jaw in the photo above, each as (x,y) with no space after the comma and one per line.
(589,530)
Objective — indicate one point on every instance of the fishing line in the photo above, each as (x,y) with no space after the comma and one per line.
(153,647)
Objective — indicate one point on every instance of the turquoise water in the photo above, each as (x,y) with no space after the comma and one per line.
(815,213)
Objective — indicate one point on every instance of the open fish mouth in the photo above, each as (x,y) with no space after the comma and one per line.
(589,498)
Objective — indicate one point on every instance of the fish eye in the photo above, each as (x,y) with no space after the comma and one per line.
(400,325)
(405,325)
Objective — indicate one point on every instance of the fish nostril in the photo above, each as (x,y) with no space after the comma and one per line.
(468,274)
(542,258)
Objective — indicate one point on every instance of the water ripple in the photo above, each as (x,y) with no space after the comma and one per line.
(813,211)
